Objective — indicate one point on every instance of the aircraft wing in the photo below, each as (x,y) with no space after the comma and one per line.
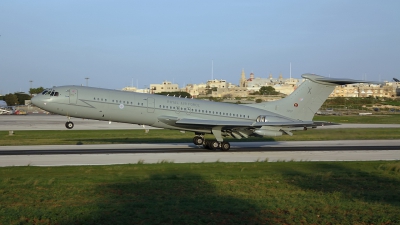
(214,122)
(250,124)
(240,129)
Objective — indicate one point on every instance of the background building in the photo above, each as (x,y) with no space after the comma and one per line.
(166,86)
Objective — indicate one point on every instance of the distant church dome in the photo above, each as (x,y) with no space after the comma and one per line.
(251,77)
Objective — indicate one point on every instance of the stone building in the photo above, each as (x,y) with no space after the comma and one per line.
(196,89)
(253,84)
(231,92)
(166,86)
(388,90)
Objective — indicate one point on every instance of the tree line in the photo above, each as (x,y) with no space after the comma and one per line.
(18,98)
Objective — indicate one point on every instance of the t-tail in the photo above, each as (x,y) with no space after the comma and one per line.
(305,101)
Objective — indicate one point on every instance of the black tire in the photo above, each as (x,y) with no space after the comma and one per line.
(225,146)
(195,140)
(69,125)
(199,141)
(213,145)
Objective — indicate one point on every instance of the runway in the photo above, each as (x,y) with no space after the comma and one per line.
(68,155)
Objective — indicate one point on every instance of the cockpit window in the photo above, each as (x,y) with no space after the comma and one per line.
(50,92)
(54,93)
(47,92)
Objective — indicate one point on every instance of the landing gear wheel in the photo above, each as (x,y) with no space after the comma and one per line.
(225,146)
(198,140)
(213,145)
(69,125)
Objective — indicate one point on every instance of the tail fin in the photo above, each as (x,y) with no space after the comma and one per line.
(305,101)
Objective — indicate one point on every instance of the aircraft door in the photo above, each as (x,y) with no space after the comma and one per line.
(150,105)
(73,96)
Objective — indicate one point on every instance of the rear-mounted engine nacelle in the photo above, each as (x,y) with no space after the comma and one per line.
(262,118)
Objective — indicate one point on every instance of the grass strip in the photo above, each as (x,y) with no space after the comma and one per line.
(369,119)
(86,137)
(204,193)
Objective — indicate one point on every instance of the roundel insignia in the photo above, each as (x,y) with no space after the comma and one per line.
(121,106)
(295,104)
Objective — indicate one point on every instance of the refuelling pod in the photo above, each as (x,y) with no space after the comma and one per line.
(270,133)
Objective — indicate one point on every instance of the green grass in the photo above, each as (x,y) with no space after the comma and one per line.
(369,119)
(86,137)
(205,193)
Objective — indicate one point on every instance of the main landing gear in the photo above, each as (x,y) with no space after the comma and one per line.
(212,145)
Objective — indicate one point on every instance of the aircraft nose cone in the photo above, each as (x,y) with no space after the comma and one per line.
(35,100)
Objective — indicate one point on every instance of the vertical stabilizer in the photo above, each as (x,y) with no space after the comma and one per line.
(305,101)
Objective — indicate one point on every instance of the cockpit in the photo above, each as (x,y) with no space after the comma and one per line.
(50,92)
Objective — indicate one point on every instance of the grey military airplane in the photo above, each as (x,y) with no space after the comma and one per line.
(295,112)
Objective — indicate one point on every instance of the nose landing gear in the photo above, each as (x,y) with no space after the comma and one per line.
(69,125)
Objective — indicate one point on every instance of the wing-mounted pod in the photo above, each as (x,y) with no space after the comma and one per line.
(269,131)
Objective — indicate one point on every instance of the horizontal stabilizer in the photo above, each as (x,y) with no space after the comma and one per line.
(336,81)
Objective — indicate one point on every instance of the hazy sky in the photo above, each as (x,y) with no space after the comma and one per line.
(115,42)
